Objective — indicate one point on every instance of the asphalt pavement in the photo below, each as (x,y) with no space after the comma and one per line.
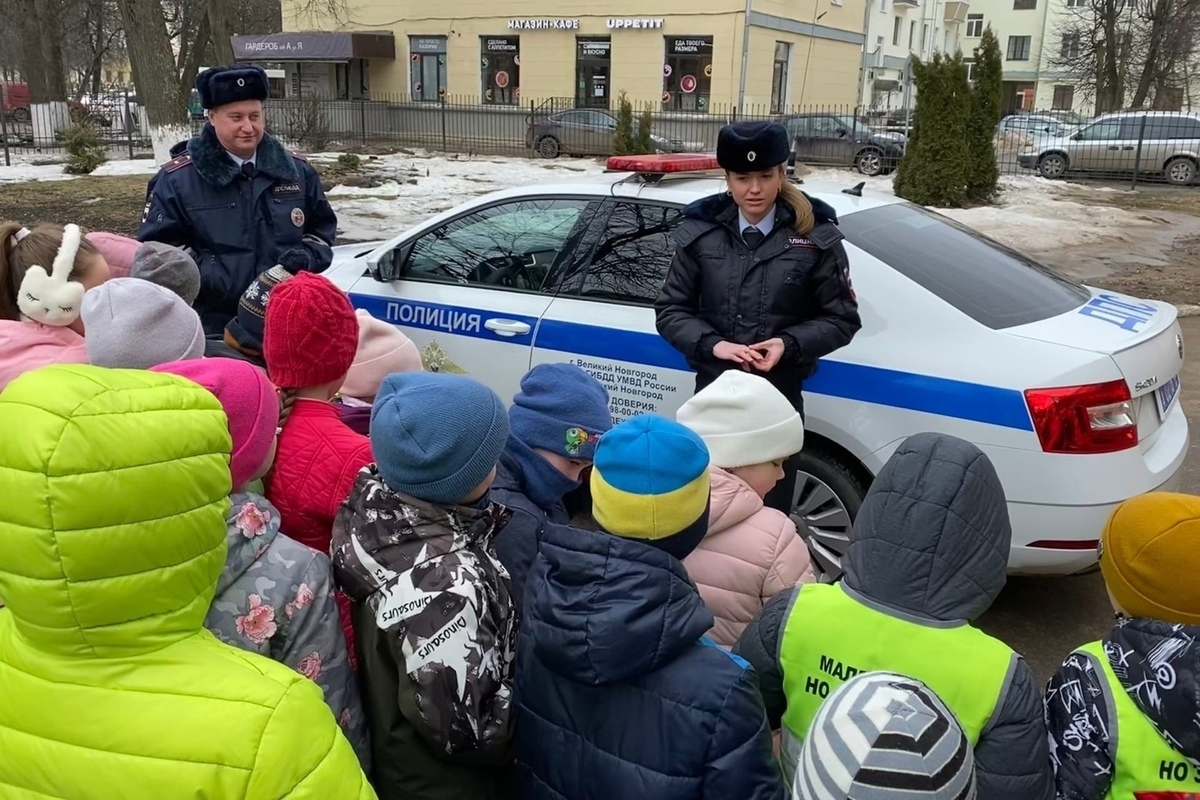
(1046,618)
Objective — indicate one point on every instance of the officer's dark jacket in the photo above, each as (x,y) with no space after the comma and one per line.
(791,286)
(238,227)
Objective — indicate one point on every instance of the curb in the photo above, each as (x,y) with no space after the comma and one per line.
(1188,310)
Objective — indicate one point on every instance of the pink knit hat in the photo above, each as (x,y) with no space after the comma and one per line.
(250,403)
(382,350)
(117,251)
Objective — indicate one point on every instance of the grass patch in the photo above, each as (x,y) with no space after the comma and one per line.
(96,204)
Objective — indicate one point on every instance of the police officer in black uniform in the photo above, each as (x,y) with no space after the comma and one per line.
(237,198)
(760,279)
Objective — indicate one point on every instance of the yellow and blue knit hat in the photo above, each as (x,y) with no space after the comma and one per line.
(650,483)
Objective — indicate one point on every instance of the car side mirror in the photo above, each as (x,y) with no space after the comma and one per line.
(843,133)
(392,264)
(1077,137)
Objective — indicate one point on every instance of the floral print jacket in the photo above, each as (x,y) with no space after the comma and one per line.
(275,598)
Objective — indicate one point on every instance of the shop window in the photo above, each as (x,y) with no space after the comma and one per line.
(592,63)
(974,26)
(500,59)
(687,73)
(779,76)
(427,69)
(341,81)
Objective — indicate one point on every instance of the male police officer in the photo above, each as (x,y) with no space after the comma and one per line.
(237,198)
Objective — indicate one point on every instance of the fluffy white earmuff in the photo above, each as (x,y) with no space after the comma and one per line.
(52,299)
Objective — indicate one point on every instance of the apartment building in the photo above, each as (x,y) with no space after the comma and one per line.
(898,29)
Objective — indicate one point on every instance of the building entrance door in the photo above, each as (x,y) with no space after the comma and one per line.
(593,57)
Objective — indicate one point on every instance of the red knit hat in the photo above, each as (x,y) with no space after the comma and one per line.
(310,334)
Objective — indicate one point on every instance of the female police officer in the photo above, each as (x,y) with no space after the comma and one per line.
(760,279)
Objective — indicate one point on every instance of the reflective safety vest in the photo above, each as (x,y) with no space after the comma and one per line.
(1144,760)
(830,637)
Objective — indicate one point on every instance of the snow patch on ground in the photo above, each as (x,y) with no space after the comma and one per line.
(419,185)
(1031,214)
(21,172)
(138,166)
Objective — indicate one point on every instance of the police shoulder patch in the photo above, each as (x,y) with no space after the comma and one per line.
(177,163)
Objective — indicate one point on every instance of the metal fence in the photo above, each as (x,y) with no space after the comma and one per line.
(1130,146)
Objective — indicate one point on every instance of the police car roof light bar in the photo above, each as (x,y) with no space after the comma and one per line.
(653,167)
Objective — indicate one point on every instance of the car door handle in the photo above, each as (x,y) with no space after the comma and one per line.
(507,327)
(1113,147)
(1127,147)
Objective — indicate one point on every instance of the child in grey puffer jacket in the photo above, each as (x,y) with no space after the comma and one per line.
(275,595)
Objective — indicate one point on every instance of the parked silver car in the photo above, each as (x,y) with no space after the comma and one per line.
(590,132)
(1152,142)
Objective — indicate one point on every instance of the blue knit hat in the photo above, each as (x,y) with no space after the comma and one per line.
(650,483)
(562,409)
(436,436)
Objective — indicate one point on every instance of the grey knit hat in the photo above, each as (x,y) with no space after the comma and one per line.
(169,267)
(882,736)
(129,323)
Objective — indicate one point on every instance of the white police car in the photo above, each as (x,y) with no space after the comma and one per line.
(1073,392)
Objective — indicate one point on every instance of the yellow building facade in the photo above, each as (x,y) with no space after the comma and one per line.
(674,56)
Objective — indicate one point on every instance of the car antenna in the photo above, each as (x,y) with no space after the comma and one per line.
(855,190)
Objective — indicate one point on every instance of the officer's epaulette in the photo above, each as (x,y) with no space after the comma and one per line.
(300,156)
(177,163)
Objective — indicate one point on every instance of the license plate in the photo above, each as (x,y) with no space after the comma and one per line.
(1166,395)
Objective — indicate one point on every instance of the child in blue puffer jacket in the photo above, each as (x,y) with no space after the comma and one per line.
(556,420)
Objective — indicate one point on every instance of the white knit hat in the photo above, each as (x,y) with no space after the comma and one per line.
(744,420)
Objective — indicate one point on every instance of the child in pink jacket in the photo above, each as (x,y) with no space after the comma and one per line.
(751,552)
(44,273)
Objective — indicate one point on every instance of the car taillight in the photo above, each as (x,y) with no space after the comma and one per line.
(1098,418)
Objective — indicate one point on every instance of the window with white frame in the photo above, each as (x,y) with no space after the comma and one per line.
(896,23)
(974,26)
(1070,45)
(1018,48)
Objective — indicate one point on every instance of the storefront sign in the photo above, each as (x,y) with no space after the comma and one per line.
(497,44)
(694,46)
(427,44)
(636,23)
(594,48)
(543,24)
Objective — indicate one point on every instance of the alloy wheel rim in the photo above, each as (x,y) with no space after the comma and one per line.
(827,520)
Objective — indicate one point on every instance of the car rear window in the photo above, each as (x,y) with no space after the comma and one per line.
(987,281)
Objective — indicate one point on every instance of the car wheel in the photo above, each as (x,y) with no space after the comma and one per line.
(20,115)
(548,147)
(1052,166)
(828,494)
(1181,171)
(869,163)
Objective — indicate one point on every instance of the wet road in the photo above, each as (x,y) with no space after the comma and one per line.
(1046,618)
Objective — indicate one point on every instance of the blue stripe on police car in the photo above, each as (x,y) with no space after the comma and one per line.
(928,394)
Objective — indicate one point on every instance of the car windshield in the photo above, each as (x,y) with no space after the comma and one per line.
(987,281)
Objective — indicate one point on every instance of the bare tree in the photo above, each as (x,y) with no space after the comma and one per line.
(160,91)
(42,66)
(1124,53)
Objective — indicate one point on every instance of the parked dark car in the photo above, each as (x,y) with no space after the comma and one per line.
(589,132)
(844,141)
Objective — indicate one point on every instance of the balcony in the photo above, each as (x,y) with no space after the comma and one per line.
(906,3)
(956,12)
